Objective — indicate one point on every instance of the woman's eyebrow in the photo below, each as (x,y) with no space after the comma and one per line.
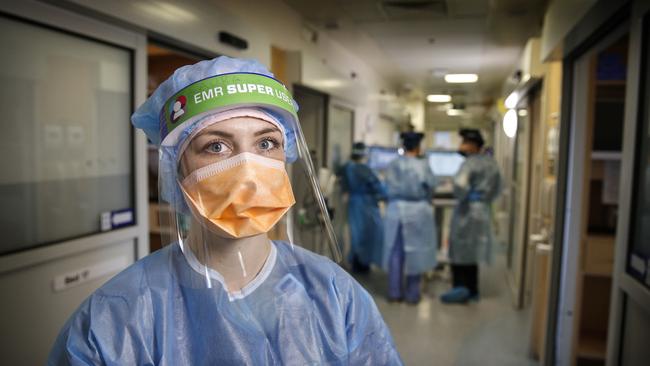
(266,130)
(218,133)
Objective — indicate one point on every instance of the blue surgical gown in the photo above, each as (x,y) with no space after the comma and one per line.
(302,309)
(411,184)
(366,226)
(476,185)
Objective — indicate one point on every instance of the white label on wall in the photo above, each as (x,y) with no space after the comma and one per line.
(82,275)
(105,221)
(122,218)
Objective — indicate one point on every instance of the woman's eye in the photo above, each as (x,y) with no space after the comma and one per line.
(216,147)
(267,144)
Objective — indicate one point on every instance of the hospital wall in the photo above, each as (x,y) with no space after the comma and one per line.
(323,64)
(561,16)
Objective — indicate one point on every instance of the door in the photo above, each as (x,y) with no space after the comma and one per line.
(519,192)
(162,60)
(340,134)
(629,321)
(72,183)
(534,201)
(599,80)
(312,115)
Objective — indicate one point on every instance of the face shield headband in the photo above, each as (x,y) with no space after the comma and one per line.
(223,92)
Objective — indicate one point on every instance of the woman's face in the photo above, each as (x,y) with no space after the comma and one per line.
(231,137)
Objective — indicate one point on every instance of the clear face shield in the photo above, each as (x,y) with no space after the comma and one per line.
(231,156)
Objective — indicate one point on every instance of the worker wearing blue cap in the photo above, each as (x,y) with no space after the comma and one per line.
(410,232)
(365,190)
(222,292)
(476,186)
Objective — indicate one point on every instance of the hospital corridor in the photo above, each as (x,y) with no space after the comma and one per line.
(302,182)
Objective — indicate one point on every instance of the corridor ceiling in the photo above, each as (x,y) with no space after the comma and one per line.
(413,43)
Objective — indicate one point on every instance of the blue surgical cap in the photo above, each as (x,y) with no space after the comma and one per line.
(147,116)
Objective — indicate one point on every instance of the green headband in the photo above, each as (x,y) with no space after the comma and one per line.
(227,90)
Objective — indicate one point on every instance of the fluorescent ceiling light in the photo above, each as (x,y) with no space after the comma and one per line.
(510,123)
(455,112)
(461,78)
(522,113)
(438,98)
(512,100)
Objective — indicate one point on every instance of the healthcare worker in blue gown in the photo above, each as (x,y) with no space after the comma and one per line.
(222,292)
(365,191)
(411,240)
(476,185)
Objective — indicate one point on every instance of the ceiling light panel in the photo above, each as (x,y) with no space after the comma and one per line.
(461,78)
(438,98)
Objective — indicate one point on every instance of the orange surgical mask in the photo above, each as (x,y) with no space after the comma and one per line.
(243,195)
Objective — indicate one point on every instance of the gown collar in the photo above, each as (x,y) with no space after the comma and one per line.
(246,290)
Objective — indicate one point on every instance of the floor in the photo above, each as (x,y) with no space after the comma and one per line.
(490,332)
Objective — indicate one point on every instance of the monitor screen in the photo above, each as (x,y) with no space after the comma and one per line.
(445,163)
(379,157)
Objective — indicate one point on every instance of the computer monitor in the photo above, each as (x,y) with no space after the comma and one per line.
(380,157)
(444,163)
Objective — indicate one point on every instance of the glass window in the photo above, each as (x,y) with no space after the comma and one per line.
(639,257)
(66,142)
